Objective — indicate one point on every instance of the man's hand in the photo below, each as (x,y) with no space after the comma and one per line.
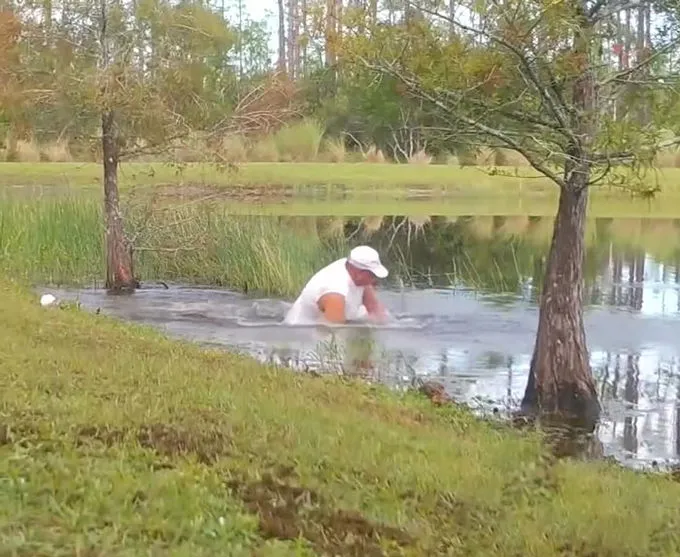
(376,311)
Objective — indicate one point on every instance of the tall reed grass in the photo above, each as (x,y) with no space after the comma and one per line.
(303,140)
(61,242)
(51,241)
(299,141)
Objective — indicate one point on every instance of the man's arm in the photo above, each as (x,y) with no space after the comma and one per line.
(332,305)
(373,306)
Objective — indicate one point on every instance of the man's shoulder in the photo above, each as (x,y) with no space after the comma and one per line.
(335,268)
(333,276)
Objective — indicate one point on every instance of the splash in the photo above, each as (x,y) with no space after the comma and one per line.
(271,313)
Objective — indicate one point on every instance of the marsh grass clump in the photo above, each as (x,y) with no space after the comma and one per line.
(232,149)
(374,155)
(22,150)
(335,150)
(55,241)
(56,151)
(208,245)
(60,241)
(264,149)
(299,141)
(420,157)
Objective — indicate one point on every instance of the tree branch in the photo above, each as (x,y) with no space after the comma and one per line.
(538,125)
(506,109)
(603,174)
(641,64)
(555,106)
(592,12)
(164,250)
(623,156)
(483,128)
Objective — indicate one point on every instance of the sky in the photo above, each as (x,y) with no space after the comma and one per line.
(257,10)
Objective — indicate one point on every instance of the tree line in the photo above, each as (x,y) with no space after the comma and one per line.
(174,69)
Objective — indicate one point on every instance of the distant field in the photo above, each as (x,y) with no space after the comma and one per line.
(263,174)
(453,205)
(287,174)
(344,188)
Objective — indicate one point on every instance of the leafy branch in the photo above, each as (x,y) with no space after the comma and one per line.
(416,89)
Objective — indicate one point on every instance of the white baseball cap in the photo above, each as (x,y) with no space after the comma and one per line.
(366,258)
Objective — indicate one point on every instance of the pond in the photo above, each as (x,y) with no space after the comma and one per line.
(463,292)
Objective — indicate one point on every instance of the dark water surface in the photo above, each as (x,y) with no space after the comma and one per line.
(463,295)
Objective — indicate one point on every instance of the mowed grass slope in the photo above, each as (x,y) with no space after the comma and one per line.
(341,188)
(117,441)
(352,175)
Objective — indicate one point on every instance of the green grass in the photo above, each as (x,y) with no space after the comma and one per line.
(60,241)
(300,141)
(342,188)
(612,206)
(351,175)
(116,441)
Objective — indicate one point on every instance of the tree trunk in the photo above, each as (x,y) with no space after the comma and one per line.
(452,18)
(561,386)
(560,382)
(331,26)
(304,13)
(292,39)
(282,38)
(642,52)
(119,271)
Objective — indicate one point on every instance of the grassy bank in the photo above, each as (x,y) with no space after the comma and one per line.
(452,205)
(351,175)
(348,175)
(117,441)
(339,189)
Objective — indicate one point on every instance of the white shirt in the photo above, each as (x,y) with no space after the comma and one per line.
(333,278)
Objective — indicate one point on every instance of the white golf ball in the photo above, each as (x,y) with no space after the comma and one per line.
(47,299)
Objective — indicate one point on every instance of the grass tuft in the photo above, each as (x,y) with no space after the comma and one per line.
(264,150)
(24,151)
(420,157)
(233,149)
(335,150)
(60,241)
(300,141)
(56,151)
(374,155)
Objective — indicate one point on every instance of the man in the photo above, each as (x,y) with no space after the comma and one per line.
(342,291)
